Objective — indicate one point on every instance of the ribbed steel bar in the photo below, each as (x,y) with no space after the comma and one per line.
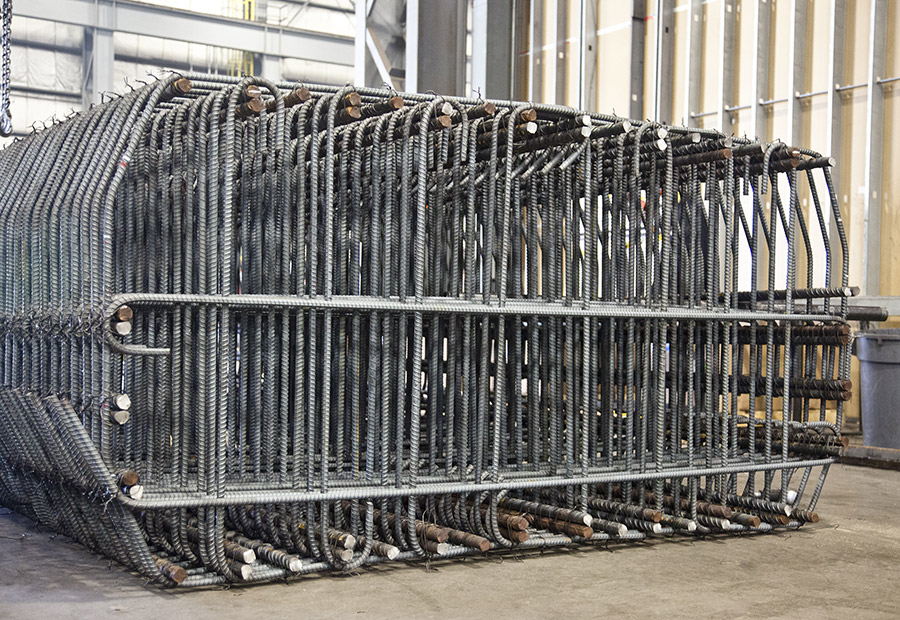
(251,330)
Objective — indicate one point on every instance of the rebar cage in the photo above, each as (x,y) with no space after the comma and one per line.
(251,330)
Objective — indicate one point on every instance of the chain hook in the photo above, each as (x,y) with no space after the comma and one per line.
(6,128)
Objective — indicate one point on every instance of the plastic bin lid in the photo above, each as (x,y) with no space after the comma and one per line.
(887,333)
(878,345)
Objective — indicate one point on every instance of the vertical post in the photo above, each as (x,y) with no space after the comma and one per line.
(561,50)
(492,48)
(359,44)
(98,58)
(439,32)
(874,146)
(835,115)
(694,50)
(270,67)
(462,32)
(553,30)
(412,46)
(87,68)
(104,62)
(638,35)
(588,56)
(535,67)
(266,64)
(479,45)
(665,59)
(761,68)
(795,78)
(726,72)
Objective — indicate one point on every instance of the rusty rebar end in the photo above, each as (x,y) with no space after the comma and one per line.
(352,98)
(127,477)
(297,96)
(124,313)
(182,86)
(172,571)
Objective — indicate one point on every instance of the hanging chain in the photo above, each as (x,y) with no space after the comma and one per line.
(5,117)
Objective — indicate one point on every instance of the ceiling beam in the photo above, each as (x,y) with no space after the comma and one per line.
(174,24)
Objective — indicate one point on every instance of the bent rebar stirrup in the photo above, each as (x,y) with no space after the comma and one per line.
(251,330)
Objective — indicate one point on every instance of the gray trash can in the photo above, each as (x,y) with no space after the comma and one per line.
(879,391)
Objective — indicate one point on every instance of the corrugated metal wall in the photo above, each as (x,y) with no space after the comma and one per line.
(807,73)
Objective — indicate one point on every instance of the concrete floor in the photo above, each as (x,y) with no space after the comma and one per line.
(847,566)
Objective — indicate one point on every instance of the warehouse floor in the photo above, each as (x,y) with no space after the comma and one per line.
(846,566)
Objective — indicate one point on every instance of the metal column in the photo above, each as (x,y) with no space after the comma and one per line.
(535,66)
(795,77)
(436,46)
(270,67)
(99,57)
(636,81)
(412,46)
(359,44)
(835,111)
(694,51)
(561,50)
(556,68)
(665,59)
(761,69)
(874,146)
(726,71)
(268,63)
(492,48)
(587,97)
